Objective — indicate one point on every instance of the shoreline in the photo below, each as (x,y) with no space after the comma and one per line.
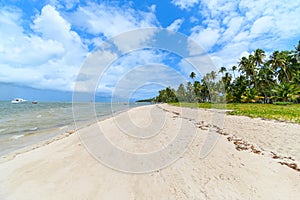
(230,137)
(243,162)
(57,136)
(27,139)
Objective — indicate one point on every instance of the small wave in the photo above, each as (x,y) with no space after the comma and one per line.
(15,137)
(31,129)
(39,116)
(63,127)
(2,130)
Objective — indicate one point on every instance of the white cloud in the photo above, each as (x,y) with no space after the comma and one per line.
(153,8)
(233,28)
(239,27)
(229,54)
(93,69)
(49,56)
(203,64)
(66,4)
(262,25)
(185,4)
(110,21)
(14,44)
(216,9)
(206,38)
(47,49)
(69,4)
(123,66)
(52,26)
(175,25)
(194,19)
(273,23)
(241,36)
(132,40)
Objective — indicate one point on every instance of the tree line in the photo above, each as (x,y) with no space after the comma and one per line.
(255,79)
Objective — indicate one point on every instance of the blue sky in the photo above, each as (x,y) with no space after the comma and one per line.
(45,43)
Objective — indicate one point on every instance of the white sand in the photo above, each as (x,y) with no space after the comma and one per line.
(63,169)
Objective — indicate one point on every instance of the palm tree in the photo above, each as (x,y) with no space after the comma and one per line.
(190,92)
(280,62)
(243,65)
(246,67)
(227,80)
(192,75)
(296,78)
(258,57)
(233,69)
(250,95)
(276,60)
(277,77)
(296,53)
(238,87)
(286,92)
(181,93)
(222,70)
(253,69)
(208,86)
(213,75)
(197,89)
(265,81)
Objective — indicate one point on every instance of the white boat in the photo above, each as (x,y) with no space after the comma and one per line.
(18,100)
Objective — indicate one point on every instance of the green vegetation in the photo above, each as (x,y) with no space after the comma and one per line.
(255,79)
(278,112)
(285,112)
(146,100)
(259,86)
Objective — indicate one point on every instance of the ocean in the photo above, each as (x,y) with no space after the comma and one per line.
(24,124)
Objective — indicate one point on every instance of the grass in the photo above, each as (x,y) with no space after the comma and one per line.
(290,112)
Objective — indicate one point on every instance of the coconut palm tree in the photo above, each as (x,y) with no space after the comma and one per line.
(192,75)
(213,75)
(238,87)
(181,93)
(258,57)
(250,95)
(190,92)
(281,63)
(286,92)
(277,77)
(265,81)
(227,80)
(222,70)
(233,69)
(246,68)
(166,95)
(296,77)
(197,89)
(296,53)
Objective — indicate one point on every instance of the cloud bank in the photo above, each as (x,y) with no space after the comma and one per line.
(45,48)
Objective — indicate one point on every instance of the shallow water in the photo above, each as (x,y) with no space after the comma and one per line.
(26,123)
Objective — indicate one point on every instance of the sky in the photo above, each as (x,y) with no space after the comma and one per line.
(47,47)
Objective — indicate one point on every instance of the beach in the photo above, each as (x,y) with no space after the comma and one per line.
(243,158)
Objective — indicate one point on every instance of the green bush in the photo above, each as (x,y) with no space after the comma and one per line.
(282,103)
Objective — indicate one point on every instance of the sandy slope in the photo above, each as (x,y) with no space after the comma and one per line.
(63,169)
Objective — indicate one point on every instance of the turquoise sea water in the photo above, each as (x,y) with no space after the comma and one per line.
(26,123)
